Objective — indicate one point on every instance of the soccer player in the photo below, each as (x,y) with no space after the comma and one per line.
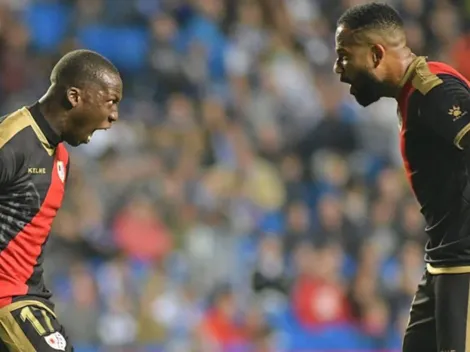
(83,97)
(434,112)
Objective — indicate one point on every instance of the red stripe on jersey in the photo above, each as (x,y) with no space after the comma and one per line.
(18,259)
(439,68)
(403,111)
(435,68)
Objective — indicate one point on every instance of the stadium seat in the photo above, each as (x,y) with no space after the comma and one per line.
(127,47)
(48,25)
(85,348)
(272,222)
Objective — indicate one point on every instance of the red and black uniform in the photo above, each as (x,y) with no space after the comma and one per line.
(33,170)
(434,108)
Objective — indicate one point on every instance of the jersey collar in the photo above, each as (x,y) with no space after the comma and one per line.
(52,137)
(410,72)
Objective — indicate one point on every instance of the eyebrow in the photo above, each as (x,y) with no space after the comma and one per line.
(341,50)
(114,91)
(114,96)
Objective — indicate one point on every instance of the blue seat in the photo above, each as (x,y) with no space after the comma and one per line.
(127,47)
(349,267)
(334,338)
(62,287)
(272,222)
(48,25)
(207,33)
(86,348)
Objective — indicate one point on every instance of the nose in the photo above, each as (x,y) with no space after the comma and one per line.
(337,68)
(113,117)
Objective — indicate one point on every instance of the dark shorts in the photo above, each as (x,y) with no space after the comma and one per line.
(439,314)
(30,326)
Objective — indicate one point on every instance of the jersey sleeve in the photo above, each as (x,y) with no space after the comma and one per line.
(7,165)
(446,109)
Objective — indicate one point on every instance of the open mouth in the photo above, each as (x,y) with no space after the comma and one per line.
(96,129)
(352,89)
(100,129)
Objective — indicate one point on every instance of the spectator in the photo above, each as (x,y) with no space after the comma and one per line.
(139,233)
(318,296)
(219,329)
(81,313)
(270,278)
(298,226)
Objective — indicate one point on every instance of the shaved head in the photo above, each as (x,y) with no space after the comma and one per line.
(80,67)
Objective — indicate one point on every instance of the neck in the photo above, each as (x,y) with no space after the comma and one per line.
(405,57)
(52,111)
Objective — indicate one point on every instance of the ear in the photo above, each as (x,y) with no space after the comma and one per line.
(378,54)
(74,96)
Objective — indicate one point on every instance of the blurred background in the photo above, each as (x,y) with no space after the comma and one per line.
(244,202)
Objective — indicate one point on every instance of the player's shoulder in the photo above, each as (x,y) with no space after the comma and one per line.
(435,76)
(13,125)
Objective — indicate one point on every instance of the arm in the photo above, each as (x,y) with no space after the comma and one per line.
(7,165)
(446,110)
(465,145)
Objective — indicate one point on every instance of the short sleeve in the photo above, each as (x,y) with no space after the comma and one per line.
(446,109)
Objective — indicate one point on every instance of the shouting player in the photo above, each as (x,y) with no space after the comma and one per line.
(434,110)
(83,97)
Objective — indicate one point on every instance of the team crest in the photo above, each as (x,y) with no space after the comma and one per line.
(56,341)
(61,170)
(456,112)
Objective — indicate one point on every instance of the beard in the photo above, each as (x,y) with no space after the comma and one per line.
(366,89)
(75,139)
(74,142)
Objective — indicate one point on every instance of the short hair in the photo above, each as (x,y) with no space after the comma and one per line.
(81,67)
(373,15)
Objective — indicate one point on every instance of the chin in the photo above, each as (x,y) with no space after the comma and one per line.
(366,103)
(74,142)
(366,100)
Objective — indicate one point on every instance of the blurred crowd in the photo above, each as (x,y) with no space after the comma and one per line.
(244,202)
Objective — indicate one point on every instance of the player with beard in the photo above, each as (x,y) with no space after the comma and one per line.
(434,110)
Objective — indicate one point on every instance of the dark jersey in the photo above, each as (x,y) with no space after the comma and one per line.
(33,171)
(434,107)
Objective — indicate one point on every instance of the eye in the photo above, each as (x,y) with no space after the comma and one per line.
(343,58)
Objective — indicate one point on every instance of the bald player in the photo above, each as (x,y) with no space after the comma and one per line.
(434,118)
(83,97)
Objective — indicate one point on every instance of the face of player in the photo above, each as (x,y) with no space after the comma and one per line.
(357,65)
(94,108)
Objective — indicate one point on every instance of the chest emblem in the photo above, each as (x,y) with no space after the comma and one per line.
(61,170)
